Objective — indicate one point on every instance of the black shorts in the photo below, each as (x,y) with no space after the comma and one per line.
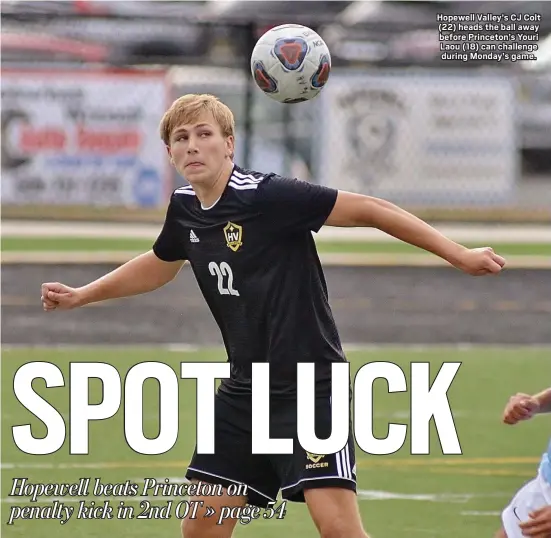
(265,475)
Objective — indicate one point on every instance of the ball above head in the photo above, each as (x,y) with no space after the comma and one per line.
(291,63)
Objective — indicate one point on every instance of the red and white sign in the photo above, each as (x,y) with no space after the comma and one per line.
(83,137)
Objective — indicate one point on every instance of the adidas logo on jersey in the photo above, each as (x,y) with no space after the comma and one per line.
(192,237)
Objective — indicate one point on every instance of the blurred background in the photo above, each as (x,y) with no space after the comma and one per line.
(84,84)
(465,145)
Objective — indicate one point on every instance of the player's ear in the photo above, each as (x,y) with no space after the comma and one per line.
(230,146)
(170,155)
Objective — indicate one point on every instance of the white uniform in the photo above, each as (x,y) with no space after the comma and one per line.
(533,495)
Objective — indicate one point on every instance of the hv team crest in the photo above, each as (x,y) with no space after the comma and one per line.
(314,457)
(234,235)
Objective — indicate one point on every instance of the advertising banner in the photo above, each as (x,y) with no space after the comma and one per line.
(83,138)
(421,139)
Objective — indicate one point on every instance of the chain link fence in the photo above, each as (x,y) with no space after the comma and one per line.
(433,140)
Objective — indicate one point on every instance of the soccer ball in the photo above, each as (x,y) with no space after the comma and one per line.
(291,63)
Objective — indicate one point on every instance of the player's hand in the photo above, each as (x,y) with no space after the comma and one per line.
(480,261)
(520,407)
(539,524)
(56,296)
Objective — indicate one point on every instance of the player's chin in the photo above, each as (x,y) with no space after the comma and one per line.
(196,172)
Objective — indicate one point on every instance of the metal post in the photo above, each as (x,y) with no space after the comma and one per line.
(288,139)
(250,41)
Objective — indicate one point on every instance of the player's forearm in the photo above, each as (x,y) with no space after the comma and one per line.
(544,401)
(140,275)
(401,224)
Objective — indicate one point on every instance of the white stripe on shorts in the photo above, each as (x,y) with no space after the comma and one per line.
(343,463)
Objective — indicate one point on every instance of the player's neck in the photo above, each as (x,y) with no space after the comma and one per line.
(210,192)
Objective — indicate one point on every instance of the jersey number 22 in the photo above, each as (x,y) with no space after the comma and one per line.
(221,271)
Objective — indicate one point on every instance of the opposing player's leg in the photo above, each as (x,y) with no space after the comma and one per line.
(245,478)
(202,523)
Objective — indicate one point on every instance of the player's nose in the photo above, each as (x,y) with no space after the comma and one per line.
(192,144)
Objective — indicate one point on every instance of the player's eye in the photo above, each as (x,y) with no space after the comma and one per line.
(204,134)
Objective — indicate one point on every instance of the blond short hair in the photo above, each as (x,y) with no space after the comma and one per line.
(188,108)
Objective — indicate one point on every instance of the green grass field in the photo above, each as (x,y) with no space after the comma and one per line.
(399,495)
(90,244)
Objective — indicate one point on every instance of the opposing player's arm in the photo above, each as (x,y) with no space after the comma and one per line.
(357,210)
(544,401)
(523,406)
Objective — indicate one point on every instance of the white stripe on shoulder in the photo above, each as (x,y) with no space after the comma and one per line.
(247,176)
(188,189)
(244,187)
(245,181)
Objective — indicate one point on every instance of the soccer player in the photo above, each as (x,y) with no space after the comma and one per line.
(248,238)
(529,512)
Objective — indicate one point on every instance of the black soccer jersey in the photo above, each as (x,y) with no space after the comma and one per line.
(256,263)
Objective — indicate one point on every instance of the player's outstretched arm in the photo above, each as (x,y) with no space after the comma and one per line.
(544,401)
(524,406)
(356,210)
(142,274)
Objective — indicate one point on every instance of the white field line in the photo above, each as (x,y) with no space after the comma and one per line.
(414,348)
(376,495)
(486,234)
(477,513)
(348,347)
